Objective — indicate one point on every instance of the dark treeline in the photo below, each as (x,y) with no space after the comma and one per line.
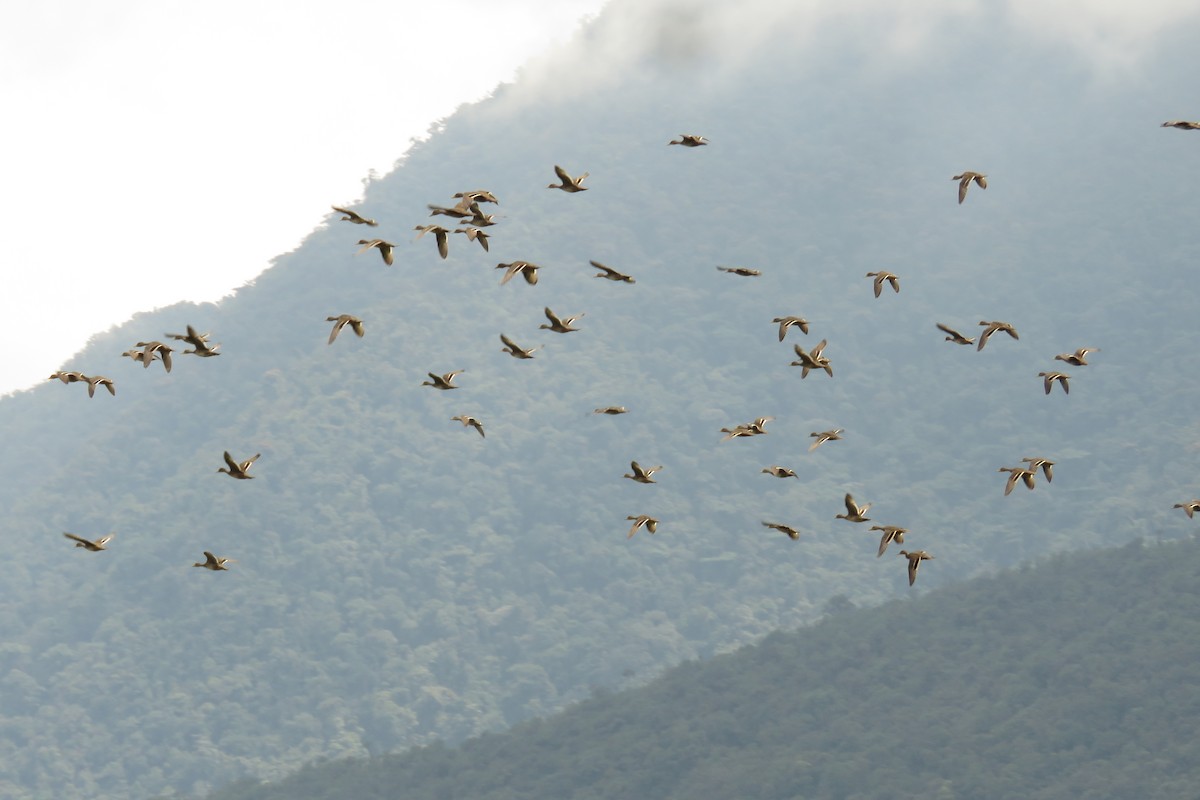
(1081,683)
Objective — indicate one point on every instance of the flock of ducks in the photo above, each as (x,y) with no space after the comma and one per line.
(468,210)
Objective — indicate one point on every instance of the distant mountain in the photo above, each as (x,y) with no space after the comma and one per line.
(1079,682)
(400,579)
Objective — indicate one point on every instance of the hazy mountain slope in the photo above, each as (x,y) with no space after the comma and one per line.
(400,579)
(1079,684)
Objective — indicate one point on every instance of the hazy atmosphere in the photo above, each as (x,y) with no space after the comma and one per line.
(200,141)
(854,433)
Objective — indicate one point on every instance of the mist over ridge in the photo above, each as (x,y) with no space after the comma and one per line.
(401,580)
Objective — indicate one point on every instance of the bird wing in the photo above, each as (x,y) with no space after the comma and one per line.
(337,328)
(562,174)
(233,465)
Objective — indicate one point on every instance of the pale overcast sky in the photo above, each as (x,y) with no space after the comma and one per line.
(163,150)
(155,151)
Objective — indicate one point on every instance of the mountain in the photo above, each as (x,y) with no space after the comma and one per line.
(1079,684)
(401,580)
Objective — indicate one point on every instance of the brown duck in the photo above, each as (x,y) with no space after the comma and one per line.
(991,327)
(559,324)
(954,336)
(341,321)
(611,274)
(442,382)
(384,247)
(1048,379)
(854,512)
(88,544)
(787,530)
(650,523)
(880,277)
(787,322)
(568,184)
(353,216)
(890,533)
(1078,358)
(237,469)
(824,436)
(215,563)
(915,557)
(469,422)
(523,268)
(441,234)
(641,474)
(964,181)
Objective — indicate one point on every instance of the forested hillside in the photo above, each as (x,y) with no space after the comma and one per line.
(400,579)
(1082,683)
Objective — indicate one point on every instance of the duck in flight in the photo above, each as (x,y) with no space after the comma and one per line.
(353,216)
(239,470)
(88,544)
(569,184)
(964,181)
(215,563)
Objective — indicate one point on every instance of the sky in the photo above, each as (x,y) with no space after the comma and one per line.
(160,150)
(156,151)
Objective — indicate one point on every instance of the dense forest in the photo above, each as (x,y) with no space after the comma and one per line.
(1082,683)
(400,580)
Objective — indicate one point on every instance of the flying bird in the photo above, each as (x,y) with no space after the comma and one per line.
(88,544)
(964,181)
(890,533)
(954,336)
(477,196)
(745,272)
(787,322)
(557,324)
(523,268)
(813,359)
(516,351)
(689,140)
(1048,379)
(475,235)
(385,249)
(880,277)
(442,382)
(1189,508)
(1078,358)
(441,234)
(341,321)
(1044,464)
(611,274)
(915,558)
(641,474)
(824,436)
(780,472)
(650,523)
(568,184)
(99,380)
(469,422)
(755,428)
(239,469)
(990,328)
(155,348)
(1018,474)
(215,563)
(788,530)
(1182,125)
(854,512)
(68,377)
(611,410)
(353,216)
